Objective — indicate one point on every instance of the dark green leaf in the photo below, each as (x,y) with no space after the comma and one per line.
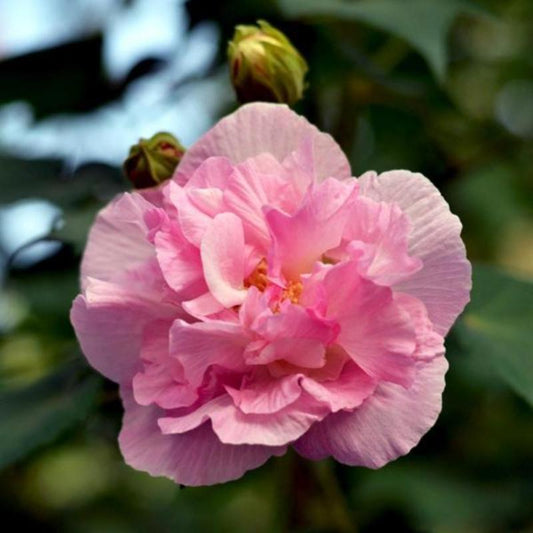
(496,328)
(437,498)
(75,225)
(41,77)
(33,416)
(424,24)
(37,178)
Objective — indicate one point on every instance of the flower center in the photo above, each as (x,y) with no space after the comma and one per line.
(259,279)
(292,292)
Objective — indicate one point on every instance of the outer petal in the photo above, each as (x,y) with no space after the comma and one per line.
(301,165)
(194,458)
(388,424)
(213,172)
(261,127)
(444,282)
(118,238)
(109,322)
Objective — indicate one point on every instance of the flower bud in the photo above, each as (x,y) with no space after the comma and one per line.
(264,65)
(152,161)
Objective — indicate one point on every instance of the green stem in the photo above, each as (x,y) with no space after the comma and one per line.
(341,516)
(313,499)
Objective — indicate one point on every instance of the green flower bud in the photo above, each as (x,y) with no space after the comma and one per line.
(264,65)
(152,161)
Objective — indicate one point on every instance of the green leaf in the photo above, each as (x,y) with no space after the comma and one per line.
(33,416)
(75,225)
(424,24)
(39,178)
(497,327)
(40,78)
(427,491)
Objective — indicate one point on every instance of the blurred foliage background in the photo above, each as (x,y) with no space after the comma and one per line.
(440,87)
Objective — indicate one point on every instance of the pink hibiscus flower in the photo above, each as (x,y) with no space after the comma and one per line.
(264,298)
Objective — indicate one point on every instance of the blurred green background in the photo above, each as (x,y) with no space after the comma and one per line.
(440,87)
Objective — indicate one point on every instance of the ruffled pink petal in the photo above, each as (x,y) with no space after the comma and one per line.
(444,282)
(254,307)
(385,230)
(429,343)
(180,262)
(264,128)
(118,238)
(209,201)
(299,240)
(295,335)
(336,360)
(156,385)
(194,458)
(377,334)
(348,391)
(387,425)
(161,380)
(203,344)
(193,222)
(303,353)
(273,429)
(109,322)
(194,418)
(294,321)
(223,259)
(264,394)
(203,306)
(232,426)
(256,183)
(194,209)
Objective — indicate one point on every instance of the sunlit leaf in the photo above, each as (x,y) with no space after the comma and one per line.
(424,24)
(35,415)
(496,328)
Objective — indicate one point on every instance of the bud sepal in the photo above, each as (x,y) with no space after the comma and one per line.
(152,161)
(265,66)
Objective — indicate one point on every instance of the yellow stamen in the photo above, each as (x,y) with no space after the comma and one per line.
(292,292)
(258,277)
